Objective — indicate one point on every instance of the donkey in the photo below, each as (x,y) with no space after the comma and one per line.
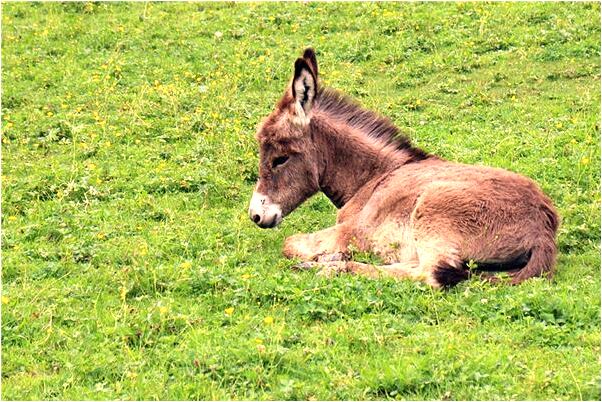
(427,218)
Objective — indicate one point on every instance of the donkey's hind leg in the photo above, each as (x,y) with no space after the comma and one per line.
(436,276)
(405,270)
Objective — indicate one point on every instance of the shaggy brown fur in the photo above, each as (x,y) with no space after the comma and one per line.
(426,217)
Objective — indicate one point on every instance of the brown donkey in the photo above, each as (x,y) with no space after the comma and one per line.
(427,218)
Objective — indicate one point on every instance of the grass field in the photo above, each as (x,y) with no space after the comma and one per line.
(131,270)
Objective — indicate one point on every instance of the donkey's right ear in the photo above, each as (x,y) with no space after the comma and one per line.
(304,88)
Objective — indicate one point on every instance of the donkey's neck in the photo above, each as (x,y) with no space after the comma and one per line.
(348,159)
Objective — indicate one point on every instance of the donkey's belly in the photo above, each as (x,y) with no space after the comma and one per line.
(393,241)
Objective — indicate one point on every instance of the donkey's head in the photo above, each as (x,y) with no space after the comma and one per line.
(288,165)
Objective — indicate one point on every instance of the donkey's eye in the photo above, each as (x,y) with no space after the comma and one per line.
(281,160)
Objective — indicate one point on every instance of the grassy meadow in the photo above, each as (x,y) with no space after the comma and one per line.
(130,269)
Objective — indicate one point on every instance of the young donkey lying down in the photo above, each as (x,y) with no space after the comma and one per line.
(427,218)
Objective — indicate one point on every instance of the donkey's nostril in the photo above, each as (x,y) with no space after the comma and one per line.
(256,218)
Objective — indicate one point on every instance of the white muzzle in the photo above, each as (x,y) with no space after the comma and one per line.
(263,212)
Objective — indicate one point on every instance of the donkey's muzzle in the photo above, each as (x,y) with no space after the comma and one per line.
(264,213)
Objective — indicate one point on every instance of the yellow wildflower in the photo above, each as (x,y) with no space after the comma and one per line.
(186,265)
(229,311)
(5,299)
(268,320)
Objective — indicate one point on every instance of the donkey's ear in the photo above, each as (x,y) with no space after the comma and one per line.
(304,88)
(310,56)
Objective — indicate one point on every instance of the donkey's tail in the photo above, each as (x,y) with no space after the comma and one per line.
(541,263)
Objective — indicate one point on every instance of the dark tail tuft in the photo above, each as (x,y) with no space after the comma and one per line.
(448,276)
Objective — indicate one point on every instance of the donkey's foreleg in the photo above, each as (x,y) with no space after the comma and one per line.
(323,246)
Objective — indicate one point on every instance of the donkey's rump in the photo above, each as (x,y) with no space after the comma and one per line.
(501,222)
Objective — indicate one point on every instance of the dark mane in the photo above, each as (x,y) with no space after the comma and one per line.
(366,121)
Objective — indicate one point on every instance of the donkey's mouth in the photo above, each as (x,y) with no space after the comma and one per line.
(268,225)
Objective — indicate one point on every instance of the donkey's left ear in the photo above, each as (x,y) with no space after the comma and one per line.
(304,87)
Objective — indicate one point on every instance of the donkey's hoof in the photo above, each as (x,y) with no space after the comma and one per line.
(303,266)
(330,257)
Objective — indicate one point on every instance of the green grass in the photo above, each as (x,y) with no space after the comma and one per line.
(131,270)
